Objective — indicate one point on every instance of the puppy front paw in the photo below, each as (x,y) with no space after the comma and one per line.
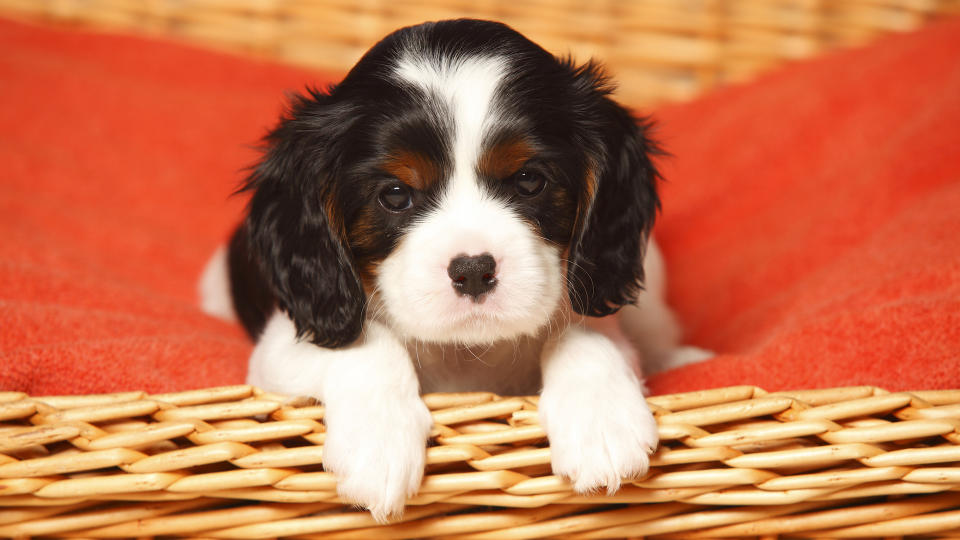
(378,454)
(599,438)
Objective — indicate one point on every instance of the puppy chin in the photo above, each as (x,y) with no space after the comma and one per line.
(420,303)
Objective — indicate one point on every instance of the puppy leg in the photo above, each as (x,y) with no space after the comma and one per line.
(651,325)
(593,410)
(377,425)
(214,287)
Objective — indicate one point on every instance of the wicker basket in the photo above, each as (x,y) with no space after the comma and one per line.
(235,462)
(656,49)
(735,462)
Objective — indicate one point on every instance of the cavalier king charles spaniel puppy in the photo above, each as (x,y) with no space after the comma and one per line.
(464,211)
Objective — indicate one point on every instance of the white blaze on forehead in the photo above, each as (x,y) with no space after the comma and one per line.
(468,85)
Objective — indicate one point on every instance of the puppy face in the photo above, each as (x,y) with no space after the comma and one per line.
(460,182)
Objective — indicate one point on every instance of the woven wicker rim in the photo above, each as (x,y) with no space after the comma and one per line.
(236,462)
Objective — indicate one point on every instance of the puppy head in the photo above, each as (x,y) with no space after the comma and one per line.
(463,180)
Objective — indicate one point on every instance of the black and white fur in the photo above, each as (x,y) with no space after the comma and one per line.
(463,211)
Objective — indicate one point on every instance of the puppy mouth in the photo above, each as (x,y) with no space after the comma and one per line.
(491,307)
(482,307)
(473,299)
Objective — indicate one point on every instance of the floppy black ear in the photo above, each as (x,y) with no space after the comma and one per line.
(606,252)
(294,226)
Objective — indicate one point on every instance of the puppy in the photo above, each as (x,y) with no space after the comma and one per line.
(462,212)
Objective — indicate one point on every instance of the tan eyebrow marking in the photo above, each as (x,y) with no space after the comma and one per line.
(413,169)
(505,158)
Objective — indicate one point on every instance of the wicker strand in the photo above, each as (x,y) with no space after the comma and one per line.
(236,462)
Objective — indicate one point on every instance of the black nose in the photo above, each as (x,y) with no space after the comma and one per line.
(473,275)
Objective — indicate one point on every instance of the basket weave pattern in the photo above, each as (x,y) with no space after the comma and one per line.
(656,49)
(236,462)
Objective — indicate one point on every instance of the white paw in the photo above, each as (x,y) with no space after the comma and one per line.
(377,452)
(599,436)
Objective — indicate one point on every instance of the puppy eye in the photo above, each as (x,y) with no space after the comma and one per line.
(396,198)
(528,183)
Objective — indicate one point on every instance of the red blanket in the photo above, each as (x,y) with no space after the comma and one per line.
(811,219)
